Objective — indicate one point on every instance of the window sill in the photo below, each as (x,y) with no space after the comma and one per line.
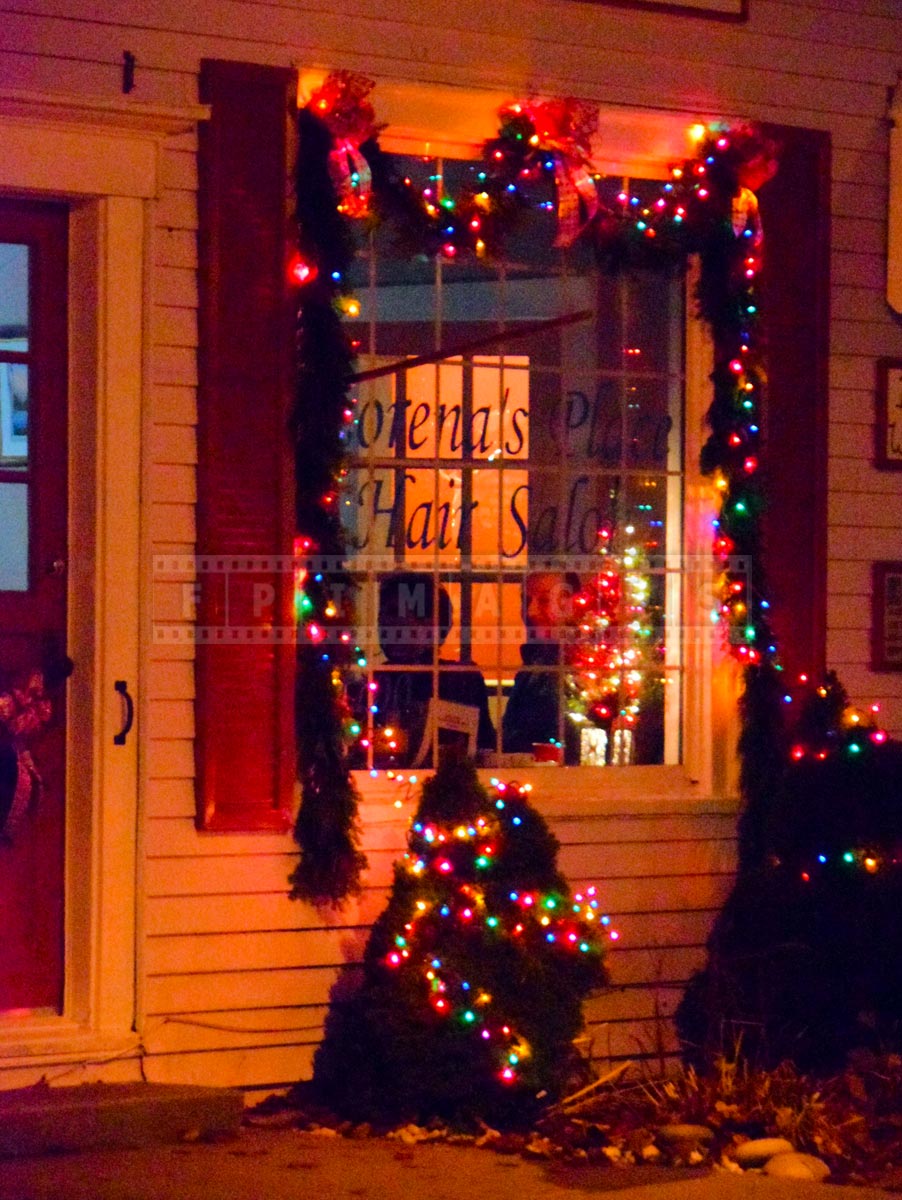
(570,790)
(36,1040)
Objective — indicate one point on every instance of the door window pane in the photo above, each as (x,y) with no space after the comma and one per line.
(14,348)
(13,414)
(13,537)
(13,296)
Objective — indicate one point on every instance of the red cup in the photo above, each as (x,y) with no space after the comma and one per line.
(547,752)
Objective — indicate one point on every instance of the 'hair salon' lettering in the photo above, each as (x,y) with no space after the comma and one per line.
(562,471)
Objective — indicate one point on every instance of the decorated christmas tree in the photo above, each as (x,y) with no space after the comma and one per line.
(474,975)
(804,961)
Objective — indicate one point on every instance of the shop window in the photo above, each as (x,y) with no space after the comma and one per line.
(247,767)
(513,506)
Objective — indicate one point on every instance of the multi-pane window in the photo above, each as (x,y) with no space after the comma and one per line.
(513,503)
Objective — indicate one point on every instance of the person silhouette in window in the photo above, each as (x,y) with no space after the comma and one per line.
(415,615)
(536,711)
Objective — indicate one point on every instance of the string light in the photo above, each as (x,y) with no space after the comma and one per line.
(466,894)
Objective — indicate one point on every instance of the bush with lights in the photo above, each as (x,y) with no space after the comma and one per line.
(474,975)
(804,961)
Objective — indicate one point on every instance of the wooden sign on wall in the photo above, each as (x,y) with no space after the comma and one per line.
(886,622)
(888,416)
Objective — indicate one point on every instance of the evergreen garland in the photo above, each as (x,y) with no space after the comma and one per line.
(327,827)
(803,960)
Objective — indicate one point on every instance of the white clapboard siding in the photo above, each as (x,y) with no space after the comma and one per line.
(232,964)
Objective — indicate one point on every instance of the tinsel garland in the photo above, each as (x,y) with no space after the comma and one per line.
(708,207)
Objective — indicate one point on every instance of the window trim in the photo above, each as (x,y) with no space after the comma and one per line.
(710,677)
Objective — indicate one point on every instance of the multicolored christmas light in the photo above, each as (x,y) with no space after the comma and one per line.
(614,657)
(457,903)
(707,206)
(835,746)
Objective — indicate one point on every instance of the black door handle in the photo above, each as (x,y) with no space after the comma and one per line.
(121,686)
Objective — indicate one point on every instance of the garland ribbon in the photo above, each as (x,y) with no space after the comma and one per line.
(25,710)
(563,128)
(341,101)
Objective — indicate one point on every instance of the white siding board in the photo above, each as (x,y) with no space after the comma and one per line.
(858,199)
(170,718)
(859,270)
(848,579)
(643,828)
(174,365)
(658,964)
(78,77)
(258,913)
(170,797)
(173,444)
(172,601)
(850,612)
(206,954)
(263,1067)
(233,991)
(170,759)
(179,169)
(863,684)
(639,1041)
(169,651)
(177,210)
(846,646)
(872,340)
(174,326)
(883,511)
(177,284)
(858,303)
(859,234)
(175,248)
(193,953)
(170,681)
(223,874)
(856,406)
(173,404)
(617,1003)
(851,373)
(172,1035)
(859,543)
(173,483)
(175,838)
(851,441)
(848,475)
(857,168)
(172,521)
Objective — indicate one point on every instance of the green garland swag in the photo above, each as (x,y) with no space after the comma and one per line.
(708,208)
(327,825)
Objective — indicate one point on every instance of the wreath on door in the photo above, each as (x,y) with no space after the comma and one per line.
(25,711)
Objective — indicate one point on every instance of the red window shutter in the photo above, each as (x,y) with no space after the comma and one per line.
(245,754)
(795,211)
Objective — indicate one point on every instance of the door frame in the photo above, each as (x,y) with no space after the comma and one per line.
(102,158)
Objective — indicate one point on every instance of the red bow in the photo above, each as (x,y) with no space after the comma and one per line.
(341,101)
(564,128)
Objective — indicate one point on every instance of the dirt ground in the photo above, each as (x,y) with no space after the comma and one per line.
(266,1164)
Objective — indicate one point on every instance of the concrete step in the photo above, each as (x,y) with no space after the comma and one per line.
(50,1120)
